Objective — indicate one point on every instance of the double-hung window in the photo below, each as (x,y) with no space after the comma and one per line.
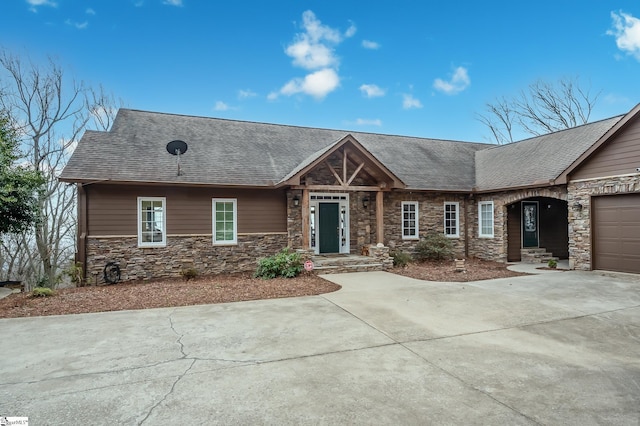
(410,220)
(152,222)
(485,219)
(225,221)
(451,220)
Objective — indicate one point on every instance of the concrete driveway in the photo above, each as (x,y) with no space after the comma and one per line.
(560,348)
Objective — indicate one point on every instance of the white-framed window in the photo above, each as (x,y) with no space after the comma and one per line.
(410,220)
(451,219)
(225,221)
(152,222)
(485,219)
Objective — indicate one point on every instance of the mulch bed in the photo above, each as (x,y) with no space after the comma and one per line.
(162,294)
(217,289)
(445,271)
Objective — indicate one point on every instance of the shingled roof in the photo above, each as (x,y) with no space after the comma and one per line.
(536,161)
(229,152)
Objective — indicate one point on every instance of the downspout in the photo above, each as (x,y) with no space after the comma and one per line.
(81,255)
(466,226)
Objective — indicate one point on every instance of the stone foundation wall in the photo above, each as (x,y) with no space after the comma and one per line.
(580,219)
(181,252)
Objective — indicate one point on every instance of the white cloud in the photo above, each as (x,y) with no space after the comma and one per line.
(173,2)
(317,84)
(78,25)
(36,3)
(372,91)
(409,102)
(368,122)
(90,11)
(351,31)
(371,45)
(626,30)
(221,106)
(309,55)
(314,50)
(459,81)
(244,94)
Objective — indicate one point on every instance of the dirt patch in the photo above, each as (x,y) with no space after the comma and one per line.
(217,289)
(475,270)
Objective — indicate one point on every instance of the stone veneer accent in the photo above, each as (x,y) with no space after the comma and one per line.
(496,248)
(381,255)
(430,218)
(180,252)
(580,220)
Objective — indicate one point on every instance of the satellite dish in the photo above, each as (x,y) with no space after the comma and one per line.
(177,147)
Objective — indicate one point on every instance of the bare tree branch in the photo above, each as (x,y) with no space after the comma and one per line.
(542,109)
(52,113)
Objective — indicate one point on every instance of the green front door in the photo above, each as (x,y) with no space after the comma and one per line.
(329,227)
(529,224)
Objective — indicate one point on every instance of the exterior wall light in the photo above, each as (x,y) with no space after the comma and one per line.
(577,206)
(296,201)
(365,202)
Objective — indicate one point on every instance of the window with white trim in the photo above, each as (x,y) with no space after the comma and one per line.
(409,220)
(485,219)
(152,222)
(225,221)
(451,219)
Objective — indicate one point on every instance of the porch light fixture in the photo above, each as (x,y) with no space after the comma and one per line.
(365,202)
(296,201)
(577,206)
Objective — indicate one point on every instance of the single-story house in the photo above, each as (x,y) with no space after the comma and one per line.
(159,191)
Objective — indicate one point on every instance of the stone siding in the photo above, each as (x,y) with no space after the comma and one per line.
(430,218)
(580,219)
(181,252)
(496,248)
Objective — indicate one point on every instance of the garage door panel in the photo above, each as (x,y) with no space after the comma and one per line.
(628,215)
(631,248)
(616,233)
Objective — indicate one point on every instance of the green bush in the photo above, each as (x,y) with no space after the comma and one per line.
(283,264)
(434,246)
(42,292)
(553,264)
(400,258)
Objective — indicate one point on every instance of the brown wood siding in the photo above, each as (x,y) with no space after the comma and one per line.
(616,233)
(514,236)
(112,209)
(619,156)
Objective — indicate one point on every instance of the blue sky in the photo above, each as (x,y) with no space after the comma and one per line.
(403,67)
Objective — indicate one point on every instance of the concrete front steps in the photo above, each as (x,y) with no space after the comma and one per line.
(536,255)
(341,263)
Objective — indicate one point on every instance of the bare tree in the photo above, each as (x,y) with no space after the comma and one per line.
(52,113)
(544,108)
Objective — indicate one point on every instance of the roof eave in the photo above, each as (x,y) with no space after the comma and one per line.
(564,176)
